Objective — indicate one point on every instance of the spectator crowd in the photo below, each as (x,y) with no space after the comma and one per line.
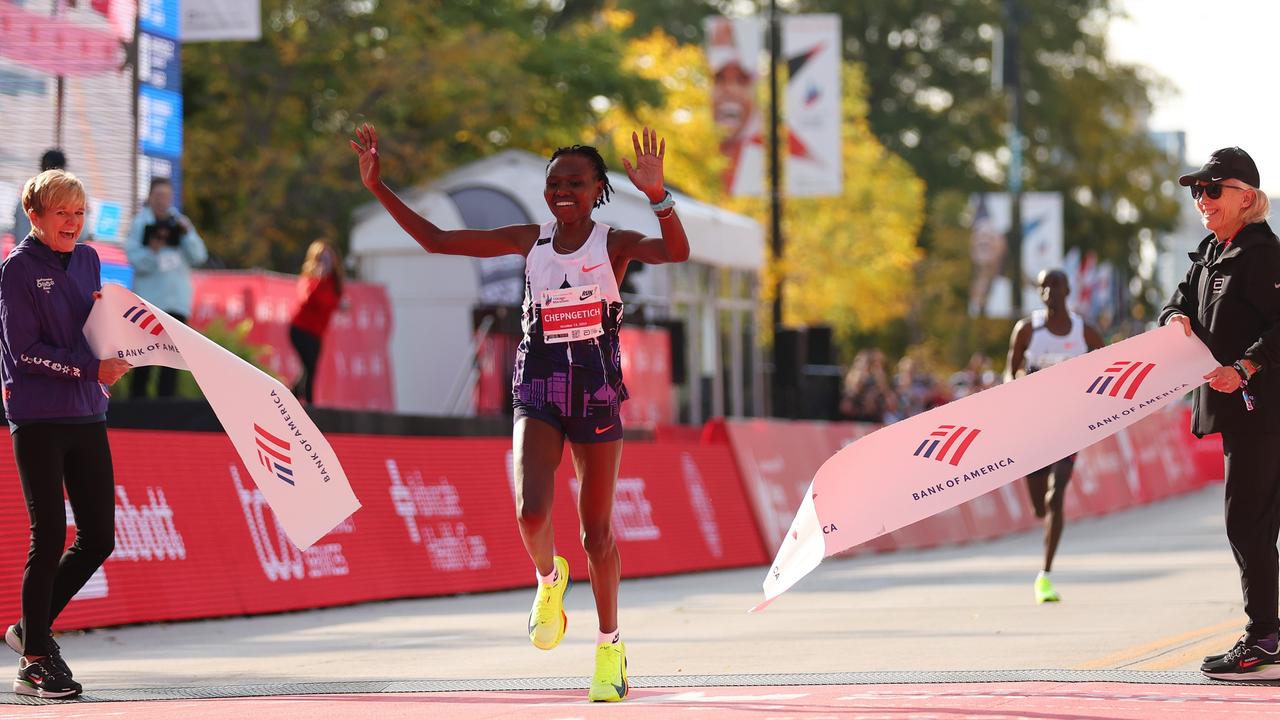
(871,394)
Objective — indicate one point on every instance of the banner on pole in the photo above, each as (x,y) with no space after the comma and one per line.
(734,47)
(990,292)
(811,46)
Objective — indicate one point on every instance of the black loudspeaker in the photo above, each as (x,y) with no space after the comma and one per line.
(787,358)
(820,396)
(675,328)
(818,346)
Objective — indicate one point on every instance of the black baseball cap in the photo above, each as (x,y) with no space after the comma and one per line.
(1226,163)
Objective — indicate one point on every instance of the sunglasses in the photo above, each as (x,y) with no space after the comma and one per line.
(1213,190)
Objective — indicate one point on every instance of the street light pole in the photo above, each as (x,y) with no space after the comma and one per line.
(775,207)
(1013,91)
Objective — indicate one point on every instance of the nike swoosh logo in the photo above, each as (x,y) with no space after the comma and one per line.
(1250,662)
(586,269)
(1278,286)
(603,430)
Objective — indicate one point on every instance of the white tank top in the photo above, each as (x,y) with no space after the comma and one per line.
(570,357)
(545,268)
(1047,349)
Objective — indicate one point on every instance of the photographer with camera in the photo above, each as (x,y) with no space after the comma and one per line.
(162,247)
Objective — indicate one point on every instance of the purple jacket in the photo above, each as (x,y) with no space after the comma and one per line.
(46,365)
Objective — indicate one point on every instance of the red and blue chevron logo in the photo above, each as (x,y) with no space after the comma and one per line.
(947,444)
(142,317)
(1122,376)
(273,453)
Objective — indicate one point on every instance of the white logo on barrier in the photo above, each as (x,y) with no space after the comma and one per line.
(279,558)
(770,477)
(421,506)
(1171,462)
(702,507)
(1131,463)
(1012,502)
(632,513)
(146,532)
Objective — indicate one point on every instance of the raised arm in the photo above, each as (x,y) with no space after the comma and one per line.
(509,240)
(646,175)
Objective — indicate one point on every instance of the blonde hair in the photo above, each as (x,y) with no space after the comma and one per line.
(311,266)
(52,189)
(1260,209)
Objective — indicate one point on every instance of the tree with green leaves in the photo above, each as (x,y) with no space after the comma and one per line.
(452,80)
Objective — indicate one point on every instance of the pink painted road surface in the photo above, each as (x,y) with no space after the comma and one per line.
(981,701)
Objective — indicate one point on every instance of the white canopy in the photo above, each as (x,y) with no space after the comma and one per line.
(716,237)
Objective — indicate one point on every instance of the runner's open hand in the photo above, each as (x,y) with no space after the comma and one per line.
(646,174)
(366,147)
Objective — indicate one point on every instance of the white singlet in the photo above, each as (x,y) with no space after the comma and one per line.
(1047,349)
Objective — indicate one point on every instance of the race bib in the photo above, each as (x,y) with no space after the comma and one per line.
(571,314)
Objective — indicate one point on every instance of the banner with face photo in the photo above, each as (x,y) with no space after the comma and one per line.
(990,291)
(733,51)
(289,460)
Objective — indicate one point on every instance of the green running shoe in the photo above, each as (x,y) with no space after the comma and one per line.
(1045,592)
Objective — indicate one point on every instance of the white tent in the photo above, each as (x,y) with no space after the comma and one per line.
(433,295)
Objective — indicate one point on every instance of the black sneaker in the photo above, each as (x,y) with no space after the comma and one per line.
(1215,658)
(13,638)
(43,679)
(1246,661)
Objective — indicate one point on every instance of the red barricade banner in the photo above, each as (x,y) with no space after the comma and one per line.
(777,459)
(354,370)
(646,369)
(1103,480)
(198,539)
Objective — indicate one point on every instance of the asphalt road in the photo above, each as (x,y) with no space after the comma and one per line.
(1148,589)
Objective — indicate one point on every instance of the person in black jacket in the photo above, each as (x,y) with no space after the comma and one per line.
(1230,299)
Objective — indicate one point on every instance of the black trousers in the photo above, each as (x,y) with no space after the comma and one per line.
(308,347)
(1253,520)
(166,383)
(48,456)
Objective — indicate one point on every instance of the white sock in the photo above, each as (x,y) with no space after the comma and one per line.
(1042,574)
(548,579)
(608,638)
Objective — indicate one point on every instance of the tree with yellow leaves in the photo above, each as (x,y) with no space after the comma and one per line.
(848,260)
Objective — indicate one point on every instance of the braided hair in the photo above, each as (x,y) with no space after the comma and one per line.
(593,156)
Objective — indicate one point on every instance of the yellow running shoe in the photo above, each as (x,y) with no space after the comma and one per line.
(1045,592)
(609,684)
(547,620)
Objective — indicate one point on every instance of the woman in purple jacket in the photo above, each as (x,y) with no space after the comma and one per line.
(55,400)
